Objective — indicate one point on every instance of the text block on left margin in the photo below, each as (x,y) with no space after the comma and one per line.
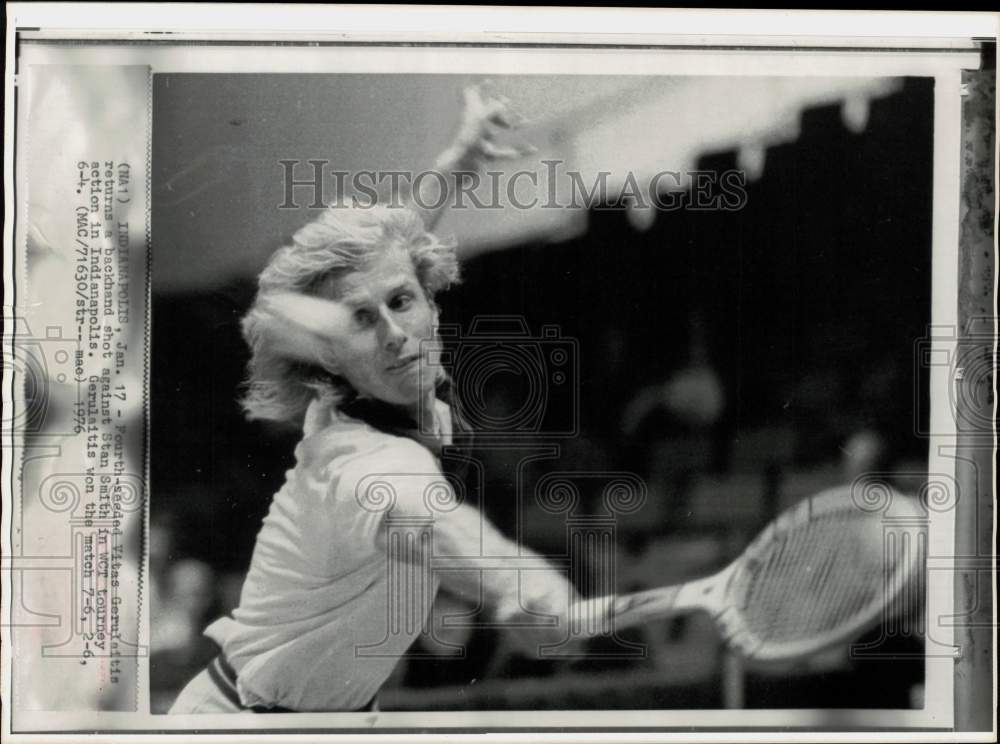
(79,431)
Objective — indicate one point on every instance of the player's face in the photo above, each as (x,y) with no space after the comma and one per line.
(385,351)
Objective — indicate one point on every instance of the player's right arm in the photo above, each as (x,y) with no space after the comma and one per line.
(524,592)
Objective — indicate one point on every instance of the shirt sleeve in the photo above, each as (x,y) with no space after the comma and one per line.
(416,499)
(402,479)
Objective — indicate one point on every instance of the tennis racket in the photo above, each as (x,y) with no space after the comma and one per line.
(820,574)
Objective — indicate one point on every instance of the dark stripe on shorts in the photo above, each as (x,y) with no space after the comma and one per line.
(226,687)
(224,677)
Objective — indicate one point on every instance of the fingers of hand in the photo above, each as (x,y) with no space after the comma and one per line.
(499,112)
(485,113)
(489,151)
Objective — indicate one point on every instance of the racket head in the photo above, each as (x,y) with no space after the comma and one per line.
(821,573)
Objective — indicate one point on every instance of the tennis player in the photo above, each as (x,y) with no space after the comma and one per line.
(342,335)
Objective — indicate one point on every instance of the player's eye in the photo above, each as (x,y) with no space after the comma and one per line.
(401,301)
(364,317)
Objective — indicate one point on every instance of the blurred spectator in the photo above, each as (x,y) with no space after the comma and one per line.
(179,648)
(673,428)
(693,397)
(863,454)
(161,544)
(187,607)
(816,402)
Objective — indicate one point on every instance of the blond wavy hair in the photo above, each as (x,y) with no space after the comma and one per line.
(341,240)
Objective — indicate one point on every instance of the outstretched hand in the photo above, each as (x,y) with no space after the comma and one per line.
(485,113)
(540,616)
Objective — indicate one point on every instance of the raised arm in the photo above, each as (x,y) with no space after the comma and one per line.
(484,115)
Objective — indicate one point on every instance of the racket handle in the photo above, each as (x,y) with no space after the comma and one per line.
(604,615)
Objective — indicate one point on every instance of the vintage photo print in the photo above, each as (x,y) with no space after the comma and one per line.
(478,385)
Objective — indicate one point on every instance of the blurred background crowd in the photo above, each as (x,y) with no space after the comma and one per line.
(735,361)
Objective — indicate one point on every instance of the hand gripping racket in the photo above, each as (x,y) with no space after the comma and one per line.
(820,574)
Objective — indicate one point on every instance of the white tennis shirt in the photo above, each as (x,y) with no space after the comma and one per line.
(326,610)
(317,589)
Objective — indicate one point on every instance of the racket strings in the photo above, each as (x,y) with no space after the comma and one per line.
(815,578)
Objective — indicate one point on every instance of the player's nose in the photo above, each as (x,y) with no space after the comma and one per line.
(393,334)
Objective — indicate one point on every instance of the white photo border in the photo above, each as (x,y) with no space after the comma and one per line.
(939,56)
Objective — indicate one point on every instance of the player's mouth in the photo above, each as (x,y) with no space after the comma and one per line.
(404,363)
